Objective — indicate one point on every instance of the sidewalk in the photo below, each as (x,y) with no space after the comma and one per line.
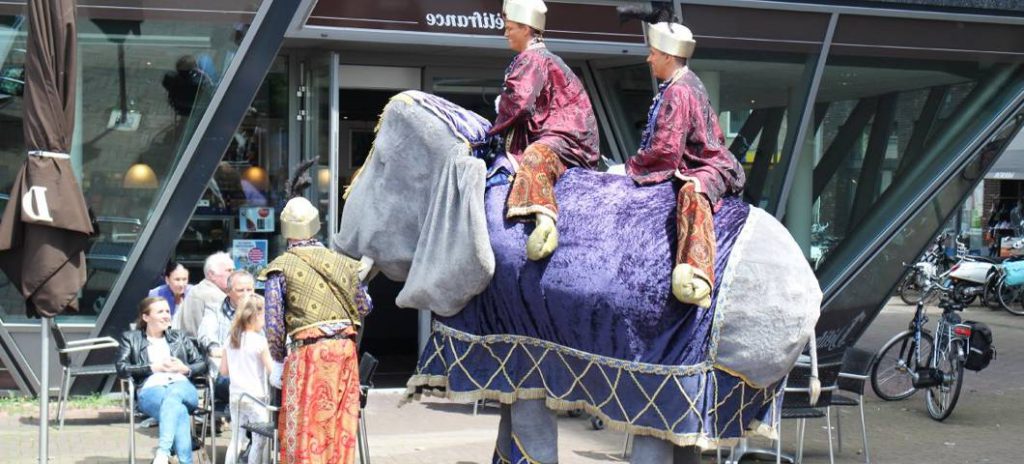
(984,428)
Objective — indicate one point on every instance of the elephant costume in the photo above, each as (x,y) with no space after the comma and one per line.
(594,327)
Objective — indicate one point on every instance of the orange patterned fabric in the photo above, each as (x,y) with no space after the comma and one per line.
(696,239)
(533,190)
(320,402)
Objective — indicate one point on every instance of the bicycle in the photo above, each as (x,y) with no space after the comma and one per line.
(915,359)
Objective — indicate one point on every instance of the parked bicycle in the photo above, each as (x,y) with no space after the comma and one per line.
(934,263)
(916,359)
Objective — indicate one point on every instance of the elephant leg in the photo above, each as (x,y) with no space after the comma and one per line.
(686,455)
(533,196)
(694,274)
(503,446)
(650,450)
(534,433)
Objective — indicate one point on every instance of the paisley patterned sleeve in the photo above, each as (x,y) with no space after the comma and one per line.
(275,330)
(364,304)
(525,79)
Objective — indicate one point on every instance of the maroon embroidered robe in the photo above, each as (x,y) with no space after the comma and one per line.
(544,102)
(683,140)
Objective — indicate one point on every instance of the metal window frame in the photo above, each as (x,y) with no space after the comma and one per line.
(796,146)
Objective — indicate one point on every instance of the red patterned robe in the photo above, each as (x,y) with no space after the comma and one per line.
(682,140)
(543,111)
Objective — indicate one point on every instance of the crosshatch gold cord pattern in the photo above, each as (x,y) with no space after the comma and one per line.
(719,396)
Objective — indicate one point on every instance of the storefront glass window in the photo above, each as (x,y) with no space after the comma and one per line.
(145,80)
(239,211)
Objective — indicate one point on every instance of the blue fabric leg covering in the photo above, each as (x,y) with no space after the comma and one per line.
(650,450)
(534,433)
(503,447)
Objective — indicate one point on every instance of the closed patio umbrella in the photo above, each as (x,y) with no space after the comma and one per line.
(45,227)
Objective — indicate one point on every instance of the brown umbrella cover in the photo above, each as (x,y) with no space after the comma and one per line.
(45,227)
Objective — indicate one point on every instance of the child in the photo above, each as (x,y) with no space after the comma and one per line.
(249,359)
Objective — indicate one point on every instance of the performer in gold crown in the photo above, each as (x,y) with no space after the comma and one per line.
(682,141)
(545,116)
(314,296)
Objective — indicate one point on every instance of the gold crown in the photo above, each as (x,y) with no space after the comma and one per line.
(672,38)
(529,12)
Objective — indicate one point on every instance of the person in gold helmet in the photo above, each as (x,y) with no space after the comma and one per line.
(682,141)
(545,115)
(314,296)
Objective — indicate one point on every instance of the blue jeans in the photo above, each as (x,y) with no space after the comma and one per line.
(171,405)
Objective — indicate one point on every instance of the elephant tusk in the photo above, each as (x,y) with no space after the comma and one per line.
(365,268)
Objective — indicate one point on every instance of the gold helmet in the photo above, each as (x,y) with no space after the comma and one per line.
(300,220)
(671,38)
(529,12)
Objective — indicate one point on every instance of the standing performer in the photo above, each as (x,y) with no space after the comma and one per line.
(545,116)
(314,296)
(682,140)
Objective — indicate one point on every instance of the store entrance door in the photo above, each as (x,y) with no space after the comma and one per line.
(392,334)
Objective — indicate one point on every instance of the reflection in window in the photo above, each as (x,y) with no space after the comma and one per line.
(144,84)
(238,212)
(627,92)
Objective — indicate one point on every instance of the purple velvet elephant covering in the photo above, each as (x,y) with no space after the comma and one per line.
(595,326)
(605,290)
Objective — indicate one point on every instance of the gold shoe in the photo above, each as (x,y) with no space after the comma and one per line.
(690,288)
(543,240)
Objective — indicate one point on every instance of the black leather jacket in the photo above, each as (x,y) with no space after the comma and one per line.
(134,358)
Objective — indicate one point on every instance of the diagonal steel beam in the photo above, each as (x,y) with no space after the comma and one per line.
(870,180)
(842,143)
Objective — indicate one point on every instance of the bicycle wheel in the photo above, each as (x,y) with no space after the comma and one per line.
(1010,298)
(892,374)
(941,399)
(990,297)
(912,287)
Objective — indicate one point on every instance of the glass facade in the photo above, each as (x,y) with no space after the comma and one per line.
(882,113)
(145,79)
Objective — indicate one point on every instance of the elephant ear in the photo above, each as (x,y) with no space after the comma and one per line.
(454,261)
(417,210)
(769,301)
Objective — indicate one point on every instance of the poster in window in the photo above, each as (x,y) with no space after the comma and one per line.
(250,255)
(255,219)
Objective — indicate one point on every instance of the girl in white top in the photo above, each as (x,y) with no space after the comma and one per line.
(247,362)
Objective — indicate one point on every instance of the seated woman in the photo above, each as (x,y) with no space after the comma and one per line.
(162,361)
(175,285)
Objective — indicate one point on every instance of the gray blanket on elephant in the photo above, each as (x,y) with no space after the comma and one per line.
(595,326)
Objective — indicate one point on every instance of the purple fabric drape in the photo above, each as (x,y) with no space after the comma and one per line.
(605,291)
(45,226)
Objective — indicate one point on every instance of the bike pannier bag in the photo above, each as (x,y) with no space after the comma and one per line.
(980,350)
(1014,273)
